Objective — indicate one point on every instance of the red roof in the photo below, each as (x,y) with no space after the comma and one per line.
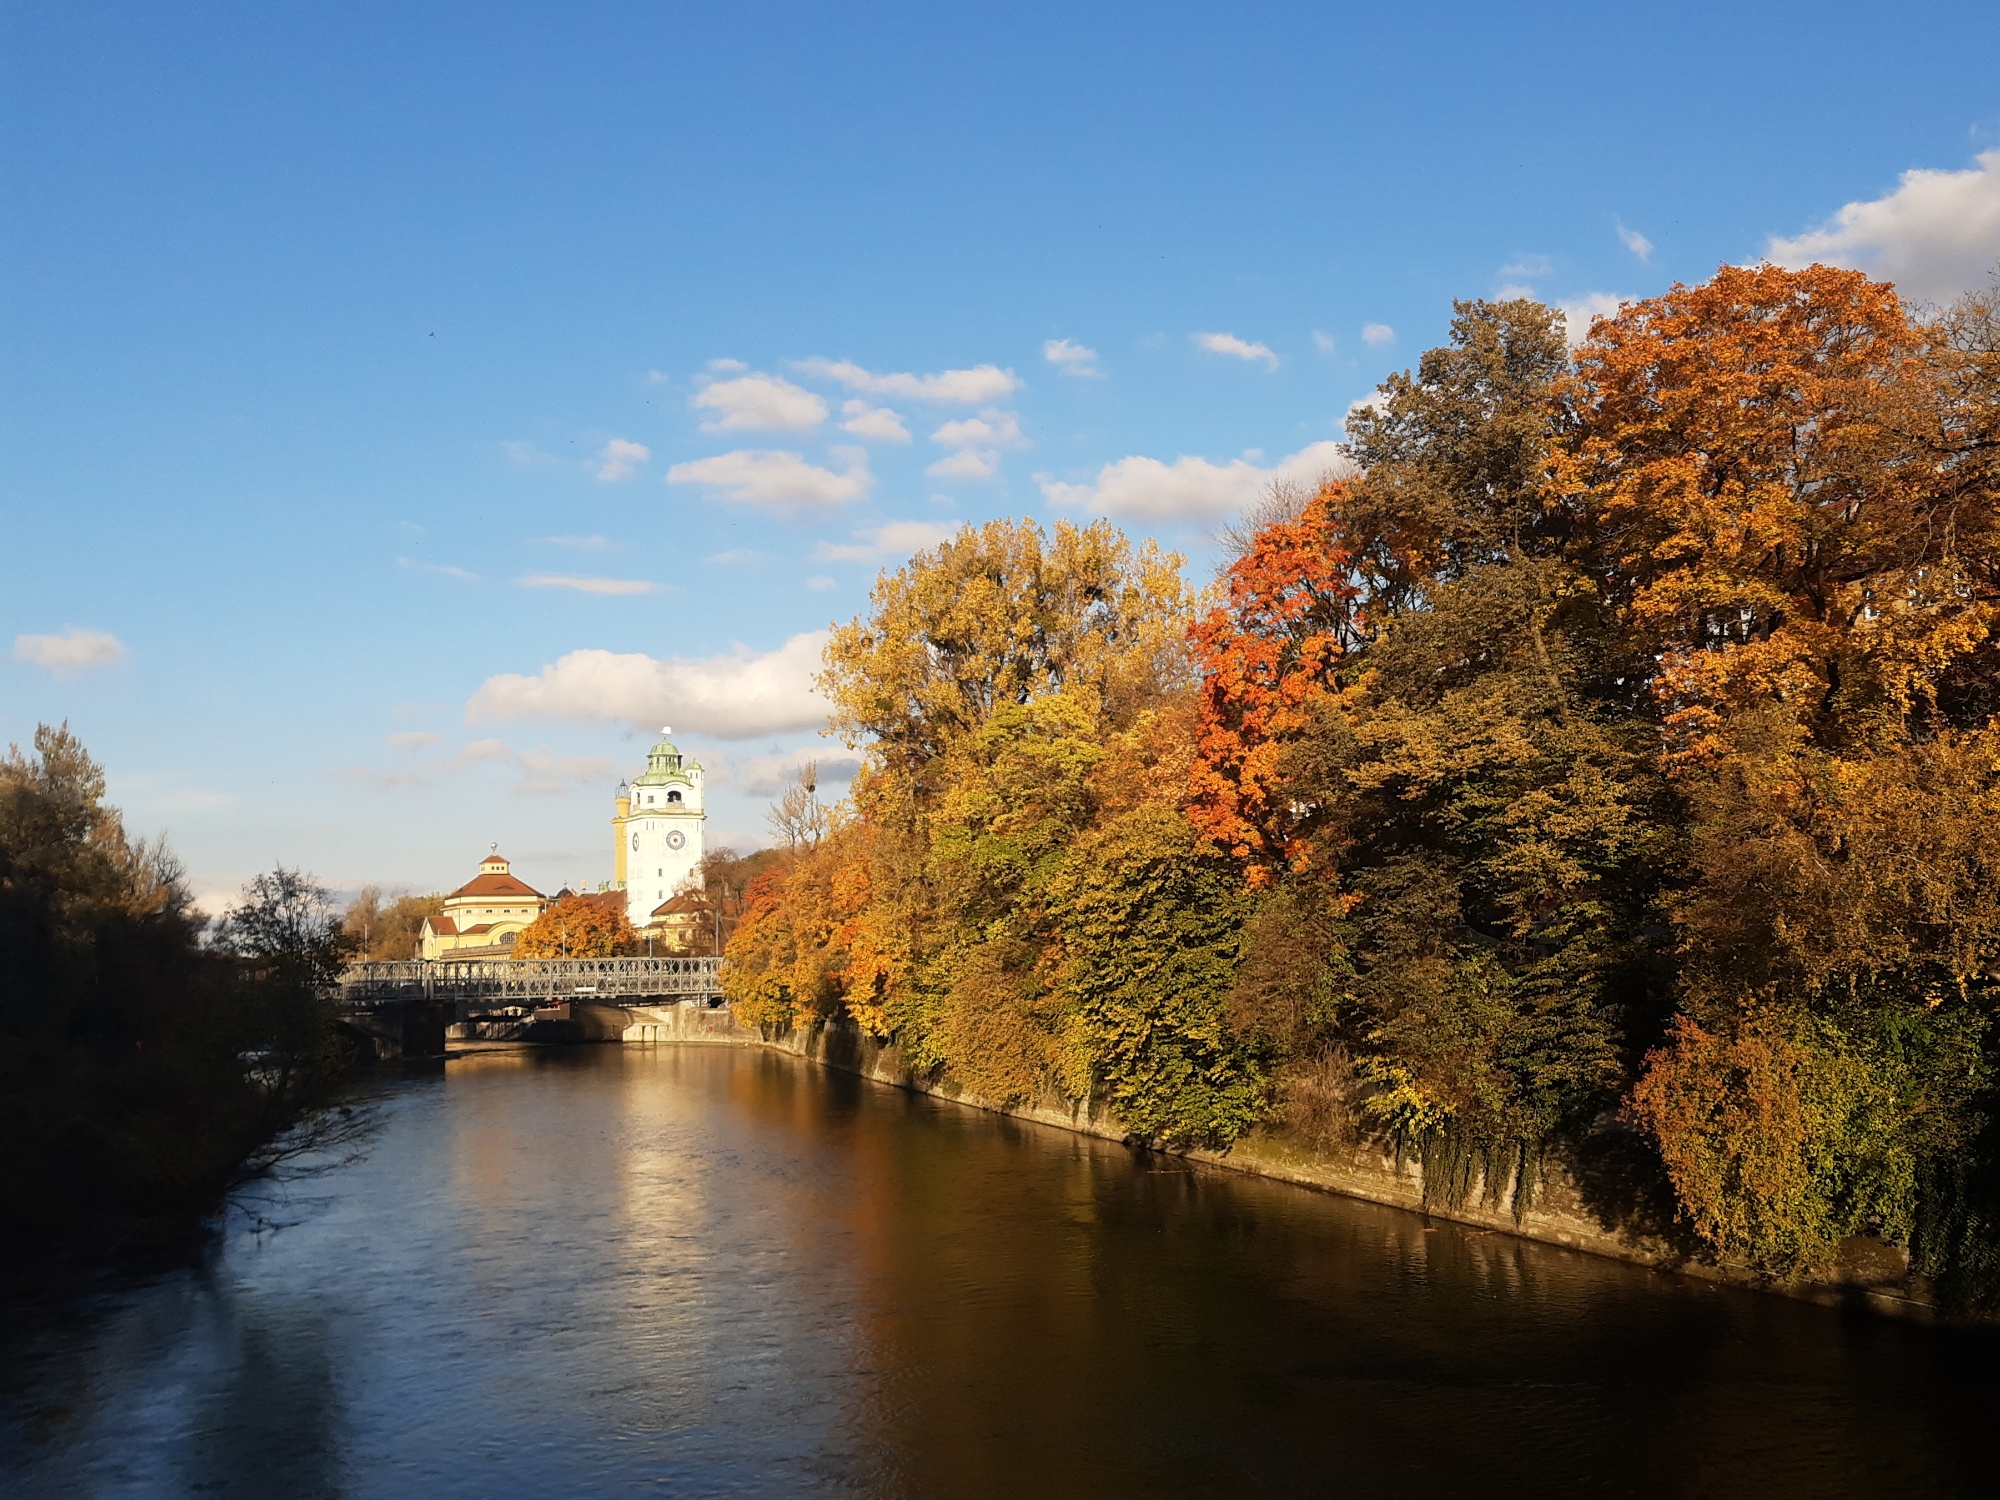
(495,885)
(442,925)
(686,903)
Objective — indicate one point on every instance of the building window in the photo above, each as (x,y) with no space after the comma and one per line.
(673,796)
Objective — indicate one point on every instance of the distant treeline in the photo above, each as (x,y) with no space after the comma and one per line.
(149,1060)
(1617,743)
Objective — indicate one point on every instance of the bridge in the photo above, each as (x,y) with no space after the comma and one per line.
(531,981)
(405,1007)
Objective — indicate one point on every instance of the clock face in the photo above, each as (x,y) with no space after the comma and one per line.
(676,839)
(635,843)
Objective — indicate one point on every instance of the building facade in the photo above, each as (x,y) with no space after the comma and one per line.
(658,827)
(483,917)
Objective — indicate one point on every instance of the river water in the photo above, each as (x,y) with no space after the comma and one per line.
(708,1271)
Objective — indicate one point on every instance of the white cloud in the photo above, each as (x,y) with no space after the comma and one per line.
(736,555)
(727,366)
(1579,311)
(776,480)
(1323,342)
(946,388)
(1636,242)
(1235,348)
(821,581)
(768,775)
(967,463)
(592,543)
(658,377)
(445,568)
(527,453)
(1375,335)
(1936,235)
(414,739)
(1191,489)
(1070,359)
(990,429)
(753,402)
(732,697)
(877,422)
(75,651)
(1528,267)
(1515,291)
(585,585)
(619,459)
(895,539)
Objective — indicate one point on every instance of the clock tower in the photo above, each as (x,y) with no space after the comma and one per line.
(659,826)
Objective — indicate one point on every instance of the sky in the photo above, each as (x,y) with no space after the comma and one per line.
(405,410)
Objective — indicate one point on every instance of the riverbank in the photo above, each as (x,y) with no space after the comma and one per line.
(1599,1201)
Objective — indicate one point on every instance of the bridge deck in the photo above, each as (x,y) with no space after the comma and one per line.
(527,981)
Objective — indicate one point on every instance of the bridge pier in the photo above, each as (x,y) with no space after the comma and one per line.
(689,1021)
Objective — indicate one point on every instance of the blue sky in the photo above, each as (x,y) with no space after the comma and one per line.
(405,404)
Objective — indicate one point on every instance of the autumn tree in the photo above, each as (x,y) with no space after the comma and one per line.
(1415,698)
(982,682)
(388,931)
(1790,483)
(590,925)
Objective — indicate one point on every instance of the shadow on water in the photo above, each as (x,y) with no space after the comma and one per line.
(707,1271)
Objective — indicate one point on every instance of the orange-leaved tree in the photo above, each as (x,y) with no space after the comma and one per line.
(591,925)
(1775,488)
(1267,657)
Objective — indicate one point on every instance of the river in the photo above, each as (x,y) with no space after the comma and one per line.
(709,1271)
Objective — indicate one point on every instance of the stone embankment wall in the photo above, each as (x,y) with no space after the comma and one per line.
(1603,1201)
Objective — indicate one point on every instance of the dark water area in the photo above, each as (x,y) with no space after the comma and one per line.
(608,1271)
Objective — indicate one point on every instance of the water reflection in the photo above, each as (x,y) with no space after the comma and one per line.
(712,1272)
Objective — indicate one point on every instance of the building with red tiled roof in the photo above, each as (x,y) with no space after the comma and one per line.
(482,918)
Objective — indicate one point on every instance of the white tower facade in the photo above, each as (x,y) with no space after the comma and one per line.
(661,831)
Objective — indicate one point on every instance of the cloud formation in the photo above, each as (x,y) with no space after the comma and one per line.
(895,539)
(758,402)
(71,653)
(445,568)
(1229,344)
(619,459)
(1069,358)
(1191,489)
(1636,242)
(990,429)
(945,388)
(732,697)
(1578,313)
(967,463)
(1323,342)
(528,454)
(585,585)
(777,481)
(877,422)
(768,775)
(1935,236)
(1375,335)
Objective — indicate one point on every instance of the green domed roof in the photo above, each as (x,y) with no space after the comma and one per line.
(664,762)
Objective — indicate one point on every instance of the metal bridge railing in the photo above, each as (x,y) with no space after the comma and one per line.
(525,981)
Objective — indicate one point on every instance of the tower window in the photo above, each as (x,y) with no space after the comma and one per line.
(673,796)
